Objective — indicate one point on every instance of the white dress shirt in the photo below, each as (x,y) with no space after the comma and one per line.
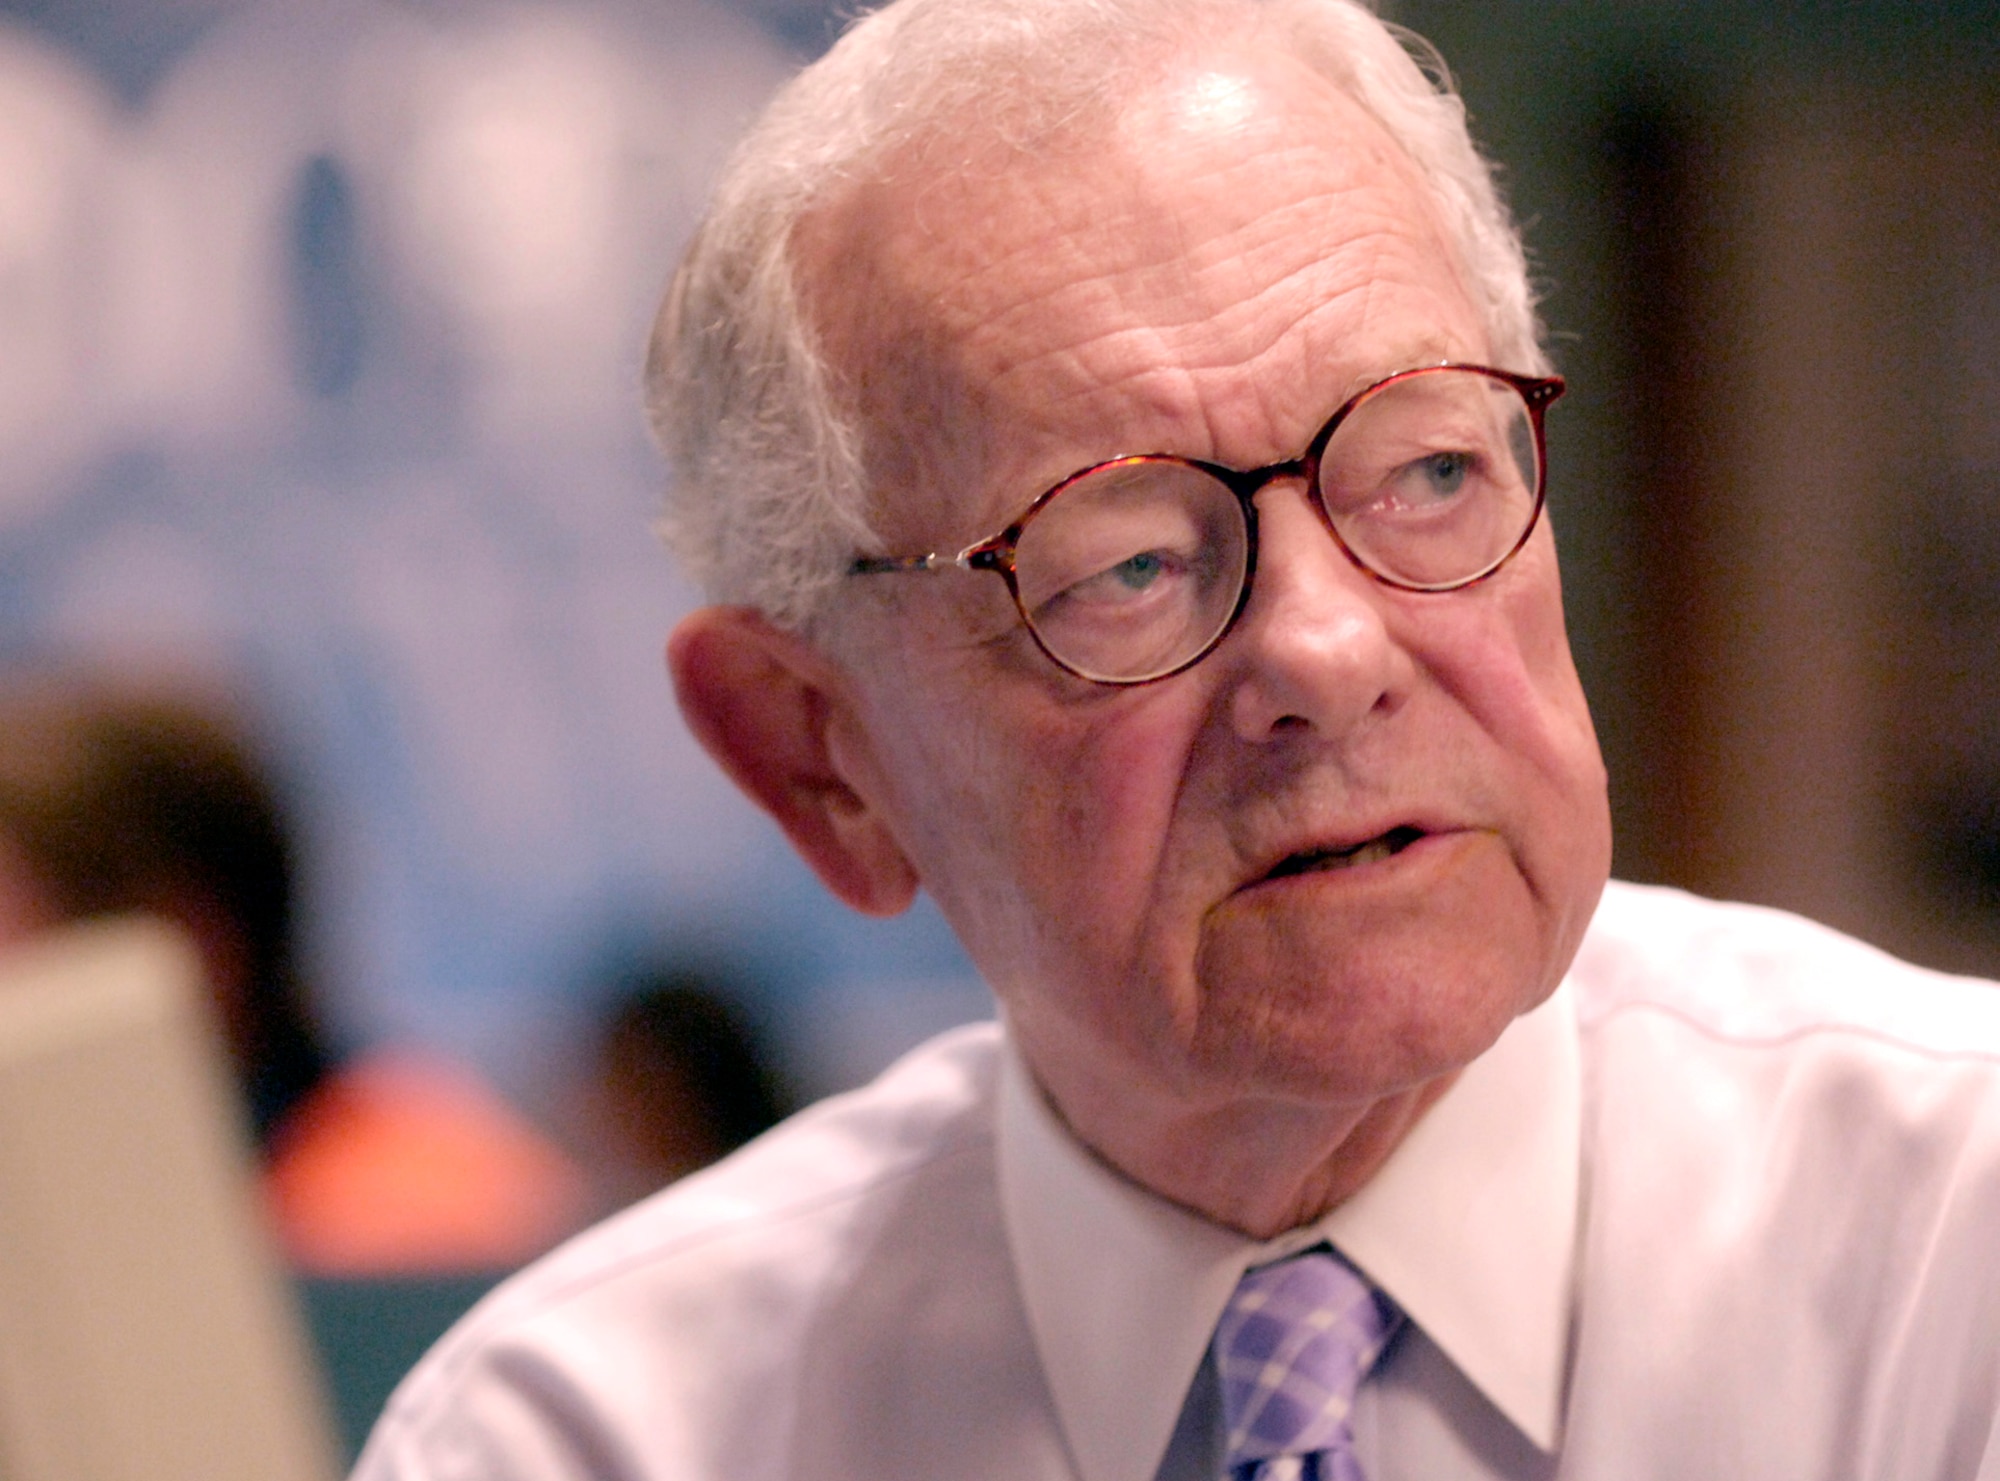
(1726,1206)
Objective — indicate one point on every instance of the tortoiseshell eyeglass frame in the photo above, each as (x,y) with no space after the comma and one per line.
(996,552)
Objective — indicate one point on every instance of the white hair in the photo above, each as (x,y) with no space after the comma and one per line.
(769,502)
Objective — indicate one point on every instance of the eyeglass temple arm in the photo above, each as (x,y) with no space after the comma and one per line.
(973,559)
(875,565)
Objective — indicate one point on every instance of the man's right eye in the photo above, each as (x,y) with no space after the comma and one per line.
(1120,583)
(1138,572)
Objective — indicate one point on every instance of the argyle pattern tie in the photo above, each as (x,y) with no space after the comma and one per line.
(1292,1347)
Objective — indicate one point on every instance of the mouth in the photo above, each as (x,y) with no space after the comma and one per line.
(1373,850)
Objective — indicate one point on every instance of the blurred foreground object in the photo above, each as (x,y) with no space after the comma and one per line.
(143,1327)
(116,801)
(397,1184)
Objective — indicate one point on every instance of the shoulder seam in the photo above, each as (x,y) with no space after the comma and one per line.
(1781,1038)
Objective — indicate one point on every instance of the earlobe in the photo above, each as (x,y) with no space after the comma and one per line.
(763,702)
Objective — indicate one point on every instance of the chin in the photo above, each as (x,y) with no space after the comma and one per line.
(1344,1021)
(1351,989)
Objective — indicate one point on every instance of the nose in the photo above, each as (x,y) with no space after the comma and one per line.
(1312,651)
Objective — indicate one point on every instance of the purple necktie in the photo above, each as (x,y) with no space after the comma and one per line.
(1292,1347)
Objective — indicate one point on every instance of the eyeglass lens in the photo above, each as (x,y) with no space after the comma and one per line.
(1136,567)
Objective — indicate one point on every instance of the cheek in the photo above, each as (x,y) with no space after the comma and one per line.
(1099,785)
(1045,836)
(1504,660)
(1501,652)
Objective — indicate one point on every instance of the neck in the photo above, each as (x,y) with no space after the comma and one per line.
(1259,1166)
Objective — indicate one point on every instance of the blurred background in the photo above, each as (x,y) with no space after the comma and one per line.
(320,328)
(1769,241)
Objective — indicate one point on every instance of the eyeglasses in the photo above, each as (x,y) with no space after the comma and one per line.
(1137,567)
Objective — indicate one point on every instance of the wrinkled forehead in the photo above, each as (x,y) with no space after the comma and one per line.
(988,313)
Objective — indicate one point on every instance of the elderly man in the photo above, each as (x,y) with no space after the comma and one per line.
(1111,430)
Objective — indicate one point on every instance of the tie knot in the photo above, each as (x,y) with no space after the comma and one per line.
(1292,1348)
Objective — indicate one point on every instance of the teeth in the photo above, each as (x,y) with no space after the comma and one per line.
(1370,852)
(1367,853)
(1376,849)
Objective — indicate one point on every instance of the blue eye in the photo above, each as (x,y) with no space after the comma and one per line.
(1138,572)
(1446,471)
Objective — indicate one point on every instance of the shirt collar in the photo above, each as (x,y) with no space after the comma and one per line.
(1470,1226)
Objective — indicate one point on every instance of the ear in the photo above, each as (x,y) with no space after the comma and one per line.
(762,702)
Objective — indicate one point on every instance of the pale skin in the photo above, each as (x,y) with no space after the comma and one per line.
(1240,253)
